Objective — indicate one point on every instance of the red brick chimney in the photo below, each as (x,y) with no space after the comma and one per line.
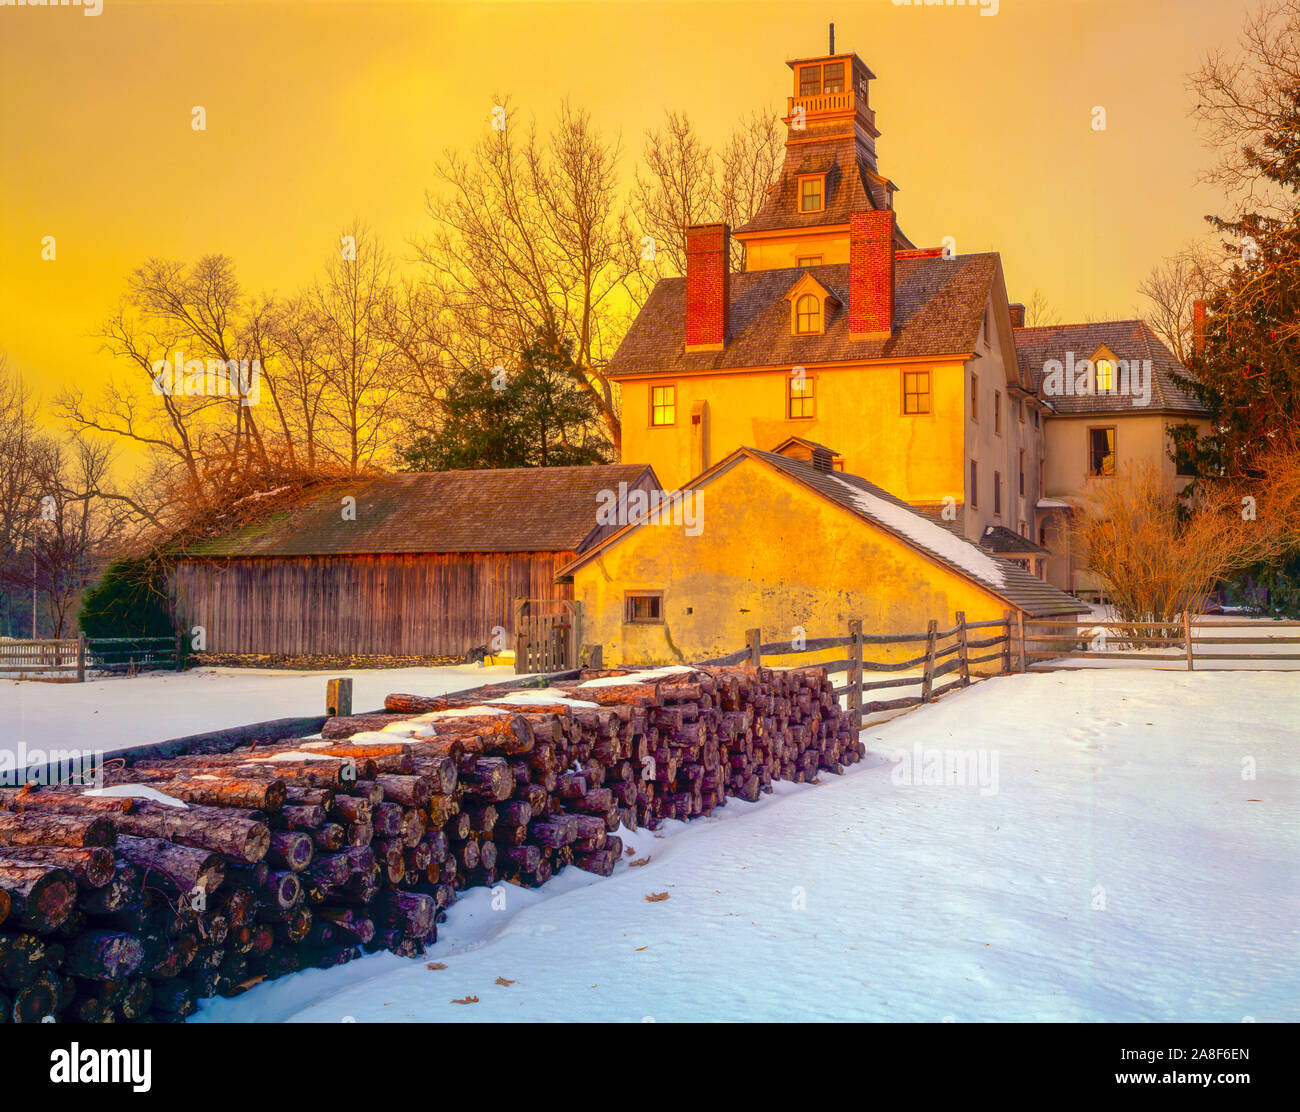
(1198,327)
(1017,315)
(871,274)
(708,286)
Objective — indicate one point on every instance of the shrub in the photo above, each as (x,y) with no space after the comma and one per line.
(129,601)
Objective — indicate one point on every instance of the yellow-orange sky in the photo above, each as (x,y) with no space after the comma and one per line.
(319,112)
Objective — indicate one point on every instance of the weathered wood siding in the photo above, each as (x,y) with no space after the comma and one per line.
(425,605)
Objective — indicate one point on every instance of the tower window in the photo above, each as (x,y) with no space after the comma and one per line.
(811,192)
(663,405)
(810,81)
(808,260)
(833,77)
(807,315)
(802,398)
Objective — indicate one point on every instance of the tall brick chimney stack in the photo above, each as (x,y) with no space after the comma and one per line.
(1017,315)
(1198,327)
(708,286)
(871,274)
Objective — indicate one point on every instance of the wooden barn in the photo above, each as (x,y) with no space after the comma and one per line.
(419,564)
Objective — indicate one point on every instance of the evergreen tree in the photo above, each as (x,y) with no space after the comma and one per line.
(535,415)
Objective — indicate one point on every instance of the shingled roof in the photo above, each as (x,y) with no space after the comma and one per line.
(938,306)
(526,509)
(1004,541)
(851,186)
(1125,339)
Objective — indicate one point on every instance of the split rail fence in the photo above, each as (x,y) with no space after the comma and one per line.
(946,652)
(78,655)
(1189,635)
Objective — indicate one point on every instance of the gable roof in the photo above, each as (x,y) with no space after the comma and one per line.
(1006,580)
(525,509)
(1125,339)
(938,308)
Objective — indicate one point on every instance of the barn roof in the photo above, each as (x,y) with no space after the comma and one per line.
(525,509)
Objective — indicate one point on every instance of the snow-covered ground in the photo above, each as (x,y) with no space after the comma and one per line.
(1233,628)
(1108,860)
(120,712)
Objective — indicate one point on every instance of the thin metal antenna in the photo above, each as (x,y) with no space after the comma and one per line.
(832,38)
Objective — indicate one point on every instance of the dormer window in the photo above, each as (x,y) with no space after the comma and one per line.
(808,315)
(812,193)
(1103,362)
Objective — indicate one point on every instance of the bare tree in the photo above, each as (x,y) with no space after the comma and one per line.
(1171,289)
(529,235)
(676,186)
(1039,311)
(1246,94)
(749,166)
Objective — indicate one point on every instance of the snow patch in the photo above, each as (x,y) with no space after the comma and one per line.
(138,791)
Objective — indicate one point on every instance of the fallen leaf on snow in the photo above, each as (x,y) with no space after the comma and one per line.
(638,861)
(435,965)
(467,1000)
(502,981)
(655,897)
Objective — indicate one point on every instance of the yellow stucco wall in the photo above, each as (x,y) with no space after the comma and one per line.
(771,555)
(918,458)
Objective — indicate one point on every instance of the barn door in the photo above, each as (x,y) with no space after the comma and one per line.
(546,635)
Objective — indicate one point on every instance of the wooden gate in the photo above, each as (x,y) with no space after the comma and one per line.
(547,634)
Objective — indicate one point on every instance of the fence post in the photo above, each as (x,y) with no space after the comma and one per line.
(927,684)
(1187,636)
(963,650)
(338,696)
(180,652)
(1020,637)
(754,639)
(1006,644)
(855,672)
(81,658)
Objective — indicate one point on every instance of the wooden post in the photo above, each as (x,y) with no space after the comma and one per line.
(575,635)
(927,684)
(1020,638)
(754,637)
(338,697)
(180,653)
(963,651)
(1006,645)
(1187,636)
(81,658)
(855,672)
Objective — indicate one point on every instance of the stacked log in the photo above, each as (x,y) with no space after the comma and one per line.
(240,867)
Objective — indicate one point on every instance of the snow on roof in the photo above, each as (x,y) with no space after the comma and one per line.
(919,528)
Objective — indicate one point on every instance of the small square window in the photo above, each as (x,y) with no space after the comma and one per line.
(810,194)
(663,405)
(644,607)
(810,81)
(916,391)
(808,260)
(833,77)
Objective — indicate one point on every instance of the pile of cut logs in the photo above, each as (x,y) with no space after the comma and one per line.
(219,871)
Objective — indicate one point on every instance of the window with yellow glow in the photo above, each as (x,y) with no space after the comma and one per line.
(663,405)
(807,315)
(802,398)
(1105,376)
